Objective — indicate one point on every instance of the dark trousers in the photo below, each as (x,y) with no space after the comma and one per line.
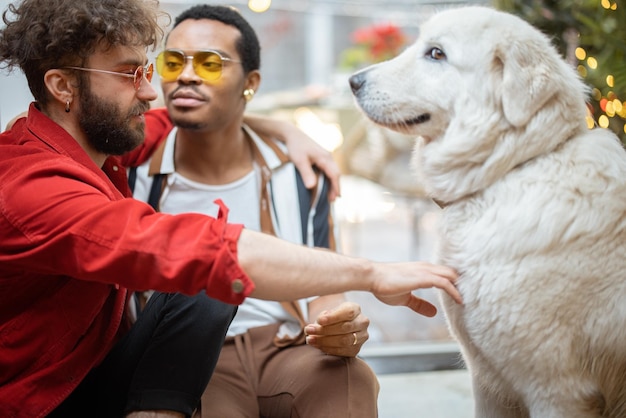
(163,363)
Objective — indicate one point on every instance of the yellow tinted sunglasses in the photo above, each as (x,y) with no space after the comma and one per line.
(207,64)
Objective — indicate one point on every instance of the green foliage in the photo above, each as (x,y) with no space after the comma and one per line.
(599,28)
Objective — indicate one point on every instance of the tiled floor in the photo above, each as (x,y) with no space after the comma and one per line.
(441,394)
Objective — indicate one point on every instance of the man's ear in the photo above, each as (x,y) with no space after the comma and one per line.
(61,86)
(253,80)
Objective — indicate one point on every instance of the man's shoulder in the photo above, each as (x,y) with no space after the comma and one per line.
(19,142)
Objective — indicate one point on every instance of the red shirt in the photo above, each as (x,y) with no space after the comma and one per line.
(72,242)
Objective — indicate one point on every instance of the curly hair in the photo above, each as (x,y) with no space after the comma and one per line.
(247,46)
(46,34)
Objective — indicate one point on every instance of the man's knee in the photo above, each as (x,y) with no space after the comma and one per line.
(200,307)
(355,372)
(337,384)
(363,376)
(360,375)
(207,307)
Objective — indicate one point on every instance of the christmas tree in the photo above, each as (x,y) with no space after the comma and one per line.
(591,34)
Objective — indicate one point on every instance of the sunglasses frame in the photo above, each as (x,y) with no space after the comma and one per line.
(141,72)
(192,58)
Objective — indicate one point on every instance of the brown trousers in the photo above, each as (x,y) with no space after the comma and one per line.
(254,378)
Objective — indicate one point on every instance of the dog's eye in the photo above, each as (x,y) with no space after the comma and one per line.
(436,54)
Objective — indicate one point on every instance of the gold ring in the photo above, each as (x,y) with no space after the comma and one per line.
(355,339)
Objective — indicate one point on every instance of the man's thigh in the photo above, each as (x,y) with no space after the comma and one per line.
(230,392)
(253,378)
(318,385)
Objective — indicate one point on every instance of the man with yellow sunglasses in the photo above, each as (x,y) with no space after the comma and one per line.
(209,71)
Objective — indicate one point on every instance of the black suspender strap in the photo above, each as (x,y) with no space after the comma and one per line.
(132,178)
(156,190)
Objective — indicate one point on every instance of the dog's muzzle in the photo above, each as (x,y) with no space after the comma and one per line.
(357,81)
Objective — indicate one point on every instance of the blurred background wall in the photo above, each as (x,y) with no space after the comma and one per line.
(302,40)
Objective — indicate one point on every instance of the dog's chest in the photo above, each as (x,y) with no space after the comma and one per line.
(485,237)
(553,214)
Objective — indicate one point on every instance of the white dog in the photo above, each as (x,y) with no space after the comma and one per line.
(534,215)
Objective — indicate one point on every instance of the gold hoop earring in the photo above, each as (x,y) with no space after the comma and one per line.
(67,106)
(248,94)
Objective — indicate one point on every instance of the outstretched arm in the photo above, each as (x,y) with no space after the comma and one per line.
(286,271)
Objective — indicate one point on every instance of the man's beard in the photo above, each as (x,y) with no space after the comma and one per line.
(107,130)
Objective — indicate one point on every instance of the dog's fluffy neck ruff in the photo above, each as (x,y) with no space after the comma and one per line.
(454,167)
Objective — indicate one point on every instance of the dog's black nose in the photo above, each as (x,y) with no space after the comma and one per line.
(357,81)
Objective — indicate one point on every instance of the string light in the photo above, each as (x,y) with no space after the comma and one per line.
(259,6)
(596,94)
(603,121)
(610,109)
(610,80)
(609,5)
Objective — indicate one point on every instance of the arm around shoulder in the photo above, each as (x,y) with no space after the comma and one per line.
(304,152)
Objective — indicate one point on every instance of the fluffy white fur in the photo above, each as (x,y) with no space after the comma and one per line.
(535,210)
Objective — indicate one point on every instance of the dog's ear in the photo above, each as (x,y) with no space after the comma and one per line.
(527,78)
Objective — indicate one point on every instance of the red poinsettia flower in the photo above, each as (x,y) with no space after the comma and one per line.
(382,40)
(373,44)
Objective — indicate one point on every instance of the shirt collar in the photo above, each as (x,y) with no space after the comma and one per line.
(162,161)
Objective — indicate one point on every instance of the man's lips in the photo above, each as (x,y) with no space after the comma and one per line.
(186,102)
(139,111)
(186,98)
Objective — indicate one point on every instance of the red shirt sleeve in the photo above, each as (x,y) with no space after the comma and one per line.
(66,219)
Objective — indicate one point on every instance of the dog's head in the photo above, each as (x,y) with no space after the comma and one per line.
(483,90)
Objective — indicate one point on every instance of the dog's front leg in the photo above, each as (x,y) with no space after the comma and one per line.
(491,402)
(566,406)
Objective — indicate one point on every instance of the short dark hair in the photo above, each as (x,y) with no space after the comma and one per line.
(247,46)
(46,34)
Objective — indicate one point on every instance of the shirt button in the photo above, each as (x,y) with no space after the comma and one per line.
(115,168)
(237,286)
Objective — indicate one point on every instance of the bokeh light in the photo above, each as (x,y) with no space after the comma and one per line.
(259,6)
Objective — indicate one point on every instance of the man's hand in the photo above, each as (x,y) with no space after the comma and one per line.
(306,153)
(303,151)
(339,332)
(429,275)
